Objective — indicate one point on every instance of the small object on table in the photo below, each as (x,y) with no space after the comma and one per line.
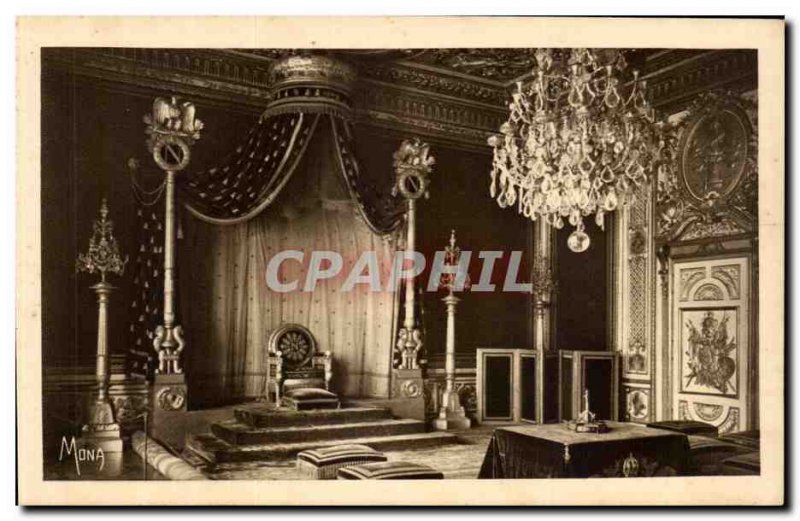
(389,470)
(585,422)
(324,462)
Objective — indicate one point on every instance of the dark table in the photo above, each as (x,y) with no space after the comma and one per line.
(553,451)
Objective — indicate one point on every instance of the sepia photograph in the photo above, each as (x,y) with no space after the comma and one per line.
(427,259)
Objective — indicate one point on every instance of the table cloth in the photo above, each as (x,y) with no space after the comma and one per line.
(553,451)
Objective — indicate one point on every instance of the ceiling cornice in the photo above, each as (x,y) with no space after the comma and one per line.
(411,96)
(445,83)
(676,84)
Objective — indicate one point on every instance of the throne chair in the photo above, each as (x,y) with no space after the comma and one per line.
(298,375)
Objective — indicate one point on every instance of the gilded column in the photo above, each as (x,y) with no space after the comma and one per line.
(103,290)
(169,262)
(413,342)
(542,285)
(171,128)
(413,167)
(664,385)
(541,306)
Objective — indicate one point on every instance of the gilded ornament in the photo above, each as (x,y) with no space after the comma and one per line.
(708,354)
(710,186)
(103,255)
(171,399)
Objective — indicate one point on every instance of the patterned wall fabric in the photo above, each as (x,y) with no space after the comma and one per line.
(148,284)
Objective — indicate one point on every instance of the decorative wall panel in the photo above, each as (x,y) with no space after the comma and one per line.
(710,189)
(637,353)
(710,349)
(637,404)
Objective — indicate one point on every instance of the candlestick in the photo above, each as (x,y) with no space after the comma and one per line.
(451,412)
(101,429)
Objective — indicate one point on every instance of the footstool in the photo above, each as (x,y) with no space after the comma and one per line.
(305,398)
(686,427)
(707,454)
(389,470)
(323,463)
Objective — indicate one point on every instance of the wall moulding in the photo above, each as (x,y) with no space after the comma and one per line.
(400,127)
(225,78)
(458,108)
(462,88)
(701,196)
(451,121)
(424,106)
(671,85)
(115,75)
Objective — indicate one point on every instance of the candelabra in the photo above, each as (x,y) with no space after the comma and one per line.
(586,420)
(103,257)
(451,413)
(171,128)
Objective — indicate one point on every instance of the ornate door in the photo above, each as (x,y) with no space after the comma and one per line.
(710,342)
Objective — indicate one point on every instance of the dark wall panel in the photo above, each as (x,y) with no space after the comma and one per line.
(498,386)
(581,313)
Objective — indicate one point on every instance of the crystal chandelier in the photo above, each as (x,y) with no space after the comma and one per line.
(580,138)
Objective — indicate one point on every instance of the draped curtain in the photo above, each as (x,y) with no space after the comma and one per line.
(251,178)
(229,311)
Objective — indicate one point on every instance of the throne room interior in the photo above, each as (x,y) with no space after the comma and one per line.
(651,327)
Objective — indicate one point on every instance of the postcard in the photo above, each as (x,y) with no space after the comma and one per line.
(466,261)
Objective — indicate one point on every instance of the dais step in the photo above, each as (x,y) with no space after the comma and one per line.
(237,433)
(215,450)
(263,416)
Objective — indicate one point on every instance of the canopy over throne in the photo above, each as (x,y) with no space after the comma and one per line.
(295,368)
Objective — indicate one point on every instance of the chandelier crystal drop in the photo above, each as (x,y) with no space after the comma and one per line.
(580,139)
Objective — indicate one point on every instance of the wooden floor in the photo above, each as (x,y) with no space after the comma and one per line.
(457,461)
